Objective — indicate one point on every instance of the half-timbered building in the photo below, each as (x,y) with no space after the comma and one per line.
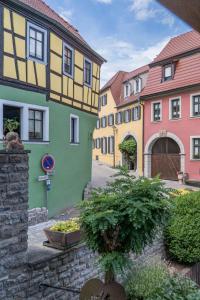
(49,85)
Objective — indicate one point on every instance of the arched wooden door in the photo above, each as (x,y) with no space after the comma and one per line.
(165,159)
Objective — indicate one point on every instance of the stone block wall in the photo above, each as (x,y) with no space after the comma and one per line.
(13,217)
(37,215)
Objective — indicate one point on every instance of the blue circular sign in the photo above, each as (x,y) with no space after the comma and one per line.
(48,163)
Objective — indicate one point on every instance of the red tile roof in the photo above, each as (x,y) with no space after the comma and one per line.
(136,72)
(187,73)
(115,84)
(179,45)
(43,8)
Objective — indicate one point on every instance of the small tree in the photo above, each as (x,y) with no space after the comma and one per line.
(123,217)
(129,149)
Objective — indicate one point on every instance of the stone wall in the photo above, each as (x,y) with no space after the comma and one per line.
(13,218)
(37,215)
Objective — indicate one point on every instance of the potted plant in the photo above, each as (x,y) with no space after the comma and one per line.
(123,218)
(64,233)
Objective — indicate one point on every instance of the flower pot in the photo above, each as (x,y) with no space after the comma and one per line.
(60,239)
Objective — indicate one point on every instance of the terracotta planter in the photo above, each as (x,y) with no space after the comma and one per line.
(62,239)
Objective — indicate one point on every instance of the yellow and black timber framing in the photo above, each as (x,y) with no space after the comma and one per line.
(17,70)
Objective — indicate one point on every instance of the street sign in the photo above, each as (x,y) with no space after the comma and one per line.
(43,178)
(48,163)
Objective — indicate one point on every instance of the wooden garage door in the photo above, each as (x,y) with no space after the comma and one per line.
(165,159)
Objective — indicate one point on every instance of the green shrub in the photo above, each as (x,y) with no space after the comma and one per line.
(124,217)
(155,283)
(182,234)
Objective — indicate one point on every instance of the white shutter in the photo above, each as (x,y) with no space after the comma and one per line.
(134,86)
(140,85)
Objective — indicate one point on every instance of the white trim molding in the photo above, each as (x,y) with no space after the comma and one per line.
(24,116)
(148,151)
(191,105)
(65,45)
(170,108)
(152,111)
(85,83)
(191,147)
(44,31)
(77,141)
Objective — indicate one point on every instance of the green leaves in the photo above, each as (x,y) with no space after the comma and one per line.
(182,233)
(124,217)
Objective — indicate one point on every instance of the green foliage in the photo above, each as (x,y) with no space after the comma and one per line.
(155,283)
(11,125)
(123,217)
(66,226)
(129,149)
(182,233)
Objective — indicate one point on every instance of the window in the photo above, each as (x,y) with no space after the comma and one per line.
(111,144)
(33,120)
(127,90)
(111,120)
(156,114)
(37,43)
(104,100)
(127,115)
(103,122)
(88,72)
(104,145)
(196,106)
(118,117)
(98,144)
(68,60)
(98,124)
(99,104)
(167,72)
(35,124)
(196,148)
(74,129)
(175,108)
(136,113)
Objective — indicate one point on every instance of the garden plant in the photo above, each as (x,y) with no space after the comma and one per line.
(182,233)
(123,217)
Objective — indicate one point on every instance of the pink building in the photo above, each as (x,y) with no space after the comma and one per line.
(172,110)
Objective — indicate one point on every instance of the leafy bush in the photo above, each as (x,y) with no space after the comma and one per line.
(129,149)
(66,226)
(155,283)
(182,234)
(123,217)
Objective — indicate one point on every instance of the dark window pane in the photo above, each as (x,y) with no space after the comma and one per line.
(35,124)
(36,43)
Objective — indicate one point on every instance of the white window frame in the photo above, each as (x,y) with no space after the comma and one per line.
(129,90)
(191,147)
(98,143)
(65,45)
(77,130)
(152,111)
(24,125)
(170,108)
(85,83)
(191,105)
(44,61)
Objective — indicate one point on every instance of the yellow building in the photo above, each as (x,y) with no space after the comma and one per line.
(120,118)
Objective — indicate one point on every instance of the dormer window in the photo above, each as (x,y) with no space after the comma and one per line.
(137,85)
(167,72)
(127,90)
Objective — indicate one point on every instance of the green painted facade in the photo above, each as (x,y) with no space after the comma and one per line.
(73,162)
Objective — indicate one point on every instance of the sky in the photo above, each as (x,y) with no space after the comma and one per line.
(127,33)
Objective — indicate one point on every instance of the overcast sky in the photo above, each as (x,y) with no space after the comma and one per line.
(127,33)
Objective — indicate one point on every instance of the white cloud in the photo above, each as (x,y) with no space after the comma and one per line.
(66,14)
(105,1)
(145,9)
(121,55)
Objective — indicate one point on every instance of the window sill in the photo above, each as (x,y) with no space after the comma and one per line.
(74,144)
(43,62)
(156,122)
(195,117)
(87,84)
(175,119)
(36,142)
